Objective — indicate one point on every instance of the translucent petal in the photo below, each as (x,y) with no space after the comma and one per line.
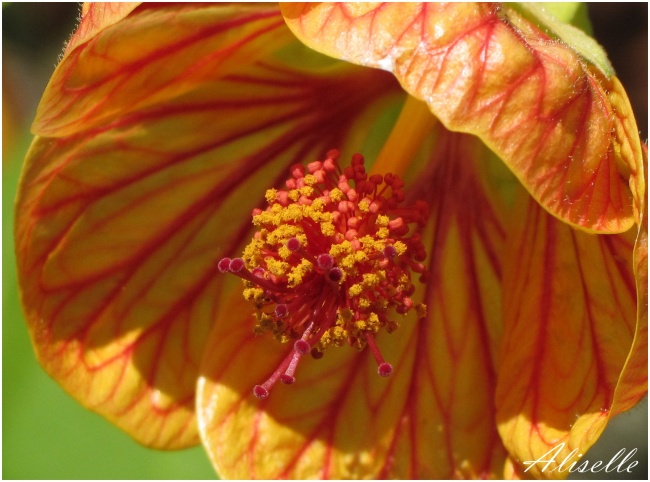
(564,129)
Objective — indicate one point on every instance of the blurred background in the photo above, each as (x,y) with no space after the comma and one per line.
(46,434)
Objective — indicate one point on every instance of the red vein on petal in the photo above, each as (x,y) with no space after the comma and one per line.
(126,71)
(472,215)
(450,71)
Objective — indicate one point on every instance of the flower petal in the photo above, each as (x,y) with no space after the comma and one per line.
(106,77)
(123,214)
(95,17)
(565,130)
(633,384)
(569,321)
(341,420)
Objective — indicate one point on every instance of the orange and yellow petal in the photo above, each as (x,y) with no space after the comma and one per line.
(563,126)
(142,176)
(434,417)
(569,321)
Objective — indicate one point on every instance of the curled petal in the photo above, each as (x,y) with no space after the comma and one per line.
(564,128)
(569,324)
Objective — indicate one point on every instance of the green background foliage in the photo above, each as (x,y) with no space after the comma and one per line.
(46,434)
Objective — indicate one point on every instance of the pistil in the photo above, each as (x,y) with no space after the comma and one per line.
(331,262)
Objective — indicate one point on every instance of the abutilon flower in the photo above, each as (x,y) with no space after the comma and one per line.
(426,219)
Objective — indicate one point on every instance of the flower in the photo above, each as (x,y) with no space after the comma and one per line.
(162,129)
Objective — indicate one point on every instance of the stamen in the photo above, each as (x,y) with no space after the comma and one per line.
(383,369)
(300,348)
(331,262)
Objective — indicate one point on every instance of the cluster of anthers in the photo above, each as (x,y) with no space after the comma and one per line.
(331,261)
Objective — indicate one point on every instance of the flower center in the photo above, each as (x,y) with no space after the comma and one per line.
(331,261)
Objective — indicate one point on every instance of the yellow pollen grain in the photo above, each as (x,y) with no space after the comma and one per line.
(364,303)
(292,213)
(294,195)
(253,294)
(310,180)
(348,262)
(382,220)
(373,279)
(271,195)
(284,252)
(373,324)
(382,233)
(298,273)
(336,194)
(307,191)
(318,204)
(327,228)
(278,268)
(400,247)
(355,290)
(339,335)
(252,252)
(360,257)
(340,249)
(364,205)
(282,233)
(316,215)
(368,242)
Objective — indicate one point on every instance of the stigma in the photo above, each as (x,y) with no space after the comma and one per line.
(332,262)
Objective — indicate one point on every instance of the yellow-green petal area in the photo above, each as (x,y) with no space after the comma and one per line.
(140,180)
(434,416)
(569,324)
(564,128)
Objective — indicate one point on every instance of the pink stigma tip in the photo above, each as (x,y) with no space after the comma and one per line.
(390,251)
(260,392)
(325,261)
(301,346)
(336,274)
(287,379)
(293,245)
(385,369)
(281,311)
(236,265)
(224,265)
